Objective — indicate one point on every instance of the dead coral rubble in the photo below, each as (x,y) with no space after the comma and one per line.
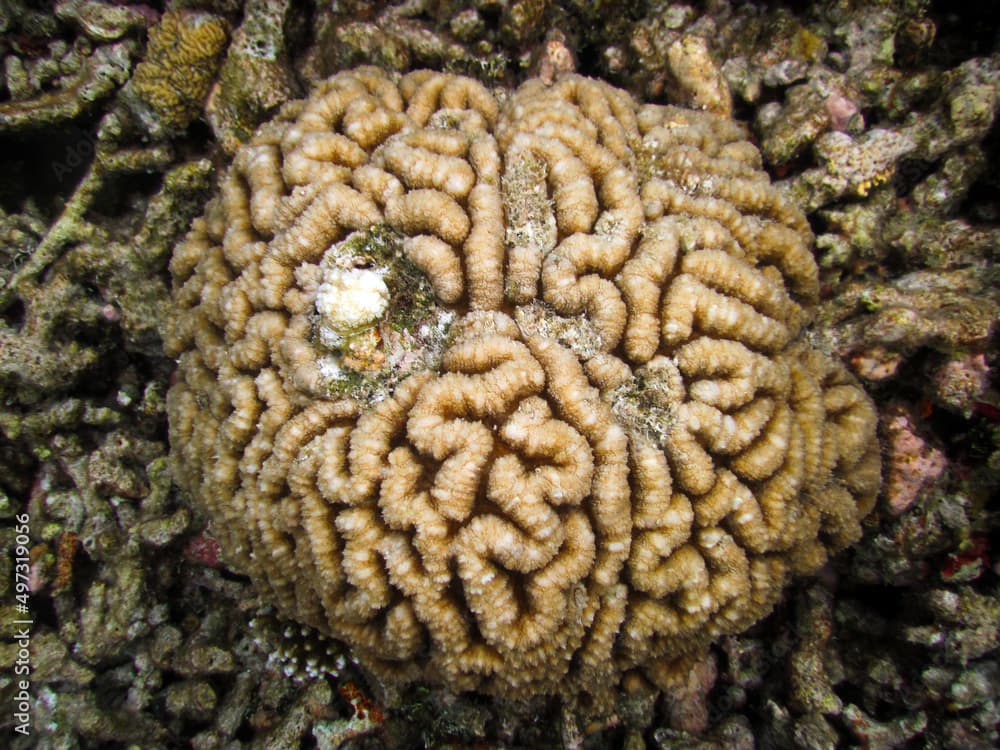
(511,398)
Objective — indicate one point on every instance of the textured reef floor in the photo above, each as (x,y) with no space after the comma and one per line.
(878,119)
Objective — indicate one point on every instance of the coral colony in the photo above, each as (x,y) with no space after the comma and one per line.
(511,396)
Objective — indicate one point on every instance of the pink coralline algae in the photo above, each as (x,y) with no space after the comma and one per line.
(203,549)
(841,110)
(913,464)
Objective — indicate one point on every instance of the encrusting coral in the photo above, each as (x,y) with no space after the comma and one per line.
(169,86)
(510,396)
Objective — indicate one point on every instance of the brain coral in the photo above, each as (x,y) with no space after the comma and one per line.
(508,392)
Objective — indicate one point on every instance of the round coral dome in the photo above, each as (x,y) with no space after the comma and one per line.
(509,392)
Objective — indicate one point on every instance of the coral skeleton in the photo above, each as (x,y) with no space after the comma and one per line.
(582,437)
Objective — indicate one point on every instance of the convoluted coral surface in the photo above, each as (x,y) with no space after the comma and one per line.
(508,393)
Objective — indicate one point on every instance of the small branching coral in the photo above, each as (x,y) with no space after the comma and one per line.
(511,398)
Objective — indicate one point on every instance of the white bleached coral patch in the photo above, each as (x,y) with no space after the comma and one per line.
(348,301)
